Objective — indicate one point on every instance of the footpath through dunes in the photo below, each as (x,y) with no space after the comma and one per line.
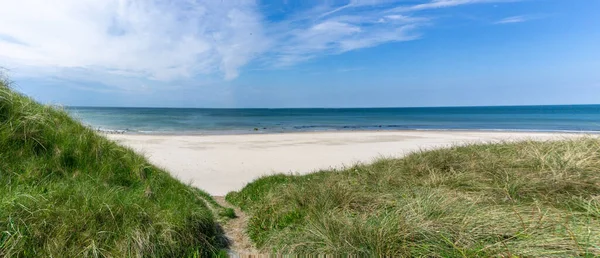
(530,198)
(236,232)
(66,191)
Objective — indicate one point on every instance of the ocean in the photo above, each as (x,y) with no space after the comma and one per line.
(571,118)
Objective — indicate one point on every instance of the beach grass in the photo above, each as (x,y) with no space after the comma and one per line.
(484,200)
(66,191)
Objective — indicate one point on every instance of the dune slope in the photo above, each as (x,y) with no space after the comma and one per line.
(504,199)
(66,191)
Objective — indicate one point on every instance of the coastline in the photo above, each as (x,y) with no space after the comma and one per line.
(249,132)
(219,164)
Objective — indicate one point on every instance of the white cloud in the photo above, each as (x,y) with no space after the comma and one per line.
(161,40)
(513,19)
(174,40)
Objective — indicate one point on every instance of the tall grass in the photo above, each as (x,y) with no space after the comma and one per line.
(67,192)
(504,199)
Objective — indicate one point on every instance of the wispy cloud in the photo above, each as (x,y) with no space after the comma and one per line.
(350,69)
(436,4)
(514,19)
(173,40)
(352,28)
(326,30)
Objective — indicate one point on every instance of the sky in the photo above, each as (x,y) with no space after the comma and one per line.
(275,54)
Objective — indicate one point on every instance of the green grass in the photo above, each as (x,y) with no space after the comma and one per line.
(504,199)
(66,191)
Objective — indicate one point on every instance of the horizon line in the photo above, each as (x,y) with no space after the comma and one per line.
(388,107)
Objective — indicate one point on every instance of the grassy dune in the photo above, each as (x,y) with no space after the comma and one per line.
(505,199)
(67,192)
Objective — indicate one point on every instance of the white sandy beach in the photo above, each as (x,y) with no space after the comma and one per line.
(219,164)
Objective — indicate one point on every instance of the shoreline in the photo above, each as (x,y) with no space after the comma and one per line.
(226,133)
(219,164)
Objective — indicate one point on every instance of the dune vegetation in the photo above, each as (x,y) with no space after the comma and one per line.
(66,191)
(499,199)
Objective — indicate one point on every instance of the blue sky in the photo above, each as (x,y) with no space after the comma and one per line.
(372,53)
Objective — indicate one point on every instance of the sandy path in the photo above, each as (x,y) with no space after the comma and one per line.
(222,163)
(235,231)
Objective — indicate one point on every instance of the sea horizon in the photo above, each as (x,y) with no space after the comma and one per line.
(373,107)
(152,120)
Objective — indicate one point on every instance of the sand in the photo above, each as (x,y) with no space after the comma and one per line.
(219,164)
